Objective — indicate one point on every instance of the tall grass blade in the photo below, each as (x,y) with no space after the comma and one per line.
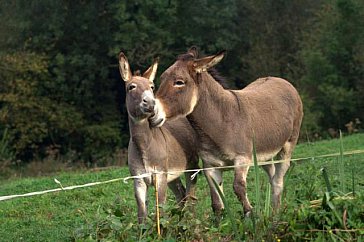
(267,201)
(228,211)
(326,178)
(257,182)
(341,164)
(353,180)
(257,194)
(326,201)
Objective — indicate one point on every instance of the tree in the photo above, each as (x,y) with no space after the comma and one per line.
(333,73)
(271,33)
(33,121)
(60,91)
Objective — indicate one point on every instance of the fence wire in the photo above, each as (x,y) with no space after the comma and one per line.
(196,171)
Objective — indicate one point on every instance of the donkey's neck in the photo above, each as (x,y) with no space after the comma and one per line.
(150,143)
(216,111)
(140,133)
(215,102)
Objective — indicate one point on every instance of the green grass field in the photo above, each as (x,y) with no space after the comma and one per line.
(108,211)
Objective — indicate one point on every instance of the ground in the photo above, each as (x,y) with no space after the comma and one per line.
(108,211)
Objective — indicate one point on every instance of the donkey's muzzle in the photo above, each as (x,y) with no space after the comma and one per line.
(148,104)
(159,116)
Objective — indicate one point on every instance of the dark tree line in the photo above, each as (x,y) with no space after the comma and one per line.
(59,82)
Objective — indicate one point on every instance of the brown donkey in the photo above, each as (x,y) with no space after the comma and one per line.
(169,149)
(268,110)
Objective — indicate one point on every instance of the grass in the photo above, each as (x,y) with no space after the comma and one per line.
(108,211)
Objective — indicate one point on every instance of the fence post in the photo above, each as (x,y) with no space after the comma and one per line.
(157,202)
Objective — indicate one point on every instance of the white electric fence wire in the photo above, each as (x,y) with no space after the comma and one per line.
(196,171)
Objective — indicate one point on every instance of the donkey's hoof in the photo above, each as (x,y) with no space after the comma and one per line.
(219,214)
(248,214)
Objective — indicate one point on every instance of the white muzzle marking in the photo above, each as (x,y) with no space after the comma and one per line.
(148,94)
(159,115)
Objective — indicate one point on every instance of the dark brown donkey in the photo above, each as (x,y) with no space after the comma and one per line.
(169,149)
(269,110)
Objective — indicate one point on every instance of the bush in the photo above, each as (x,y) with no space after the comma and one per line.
(101,141)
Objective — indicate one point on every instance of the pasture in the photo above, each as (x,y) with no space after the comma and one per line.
(108,212)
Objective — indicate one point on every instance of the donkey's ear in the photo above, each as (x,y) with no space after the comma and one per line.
(205,63)
(124,67)
(152,71)
(193,51)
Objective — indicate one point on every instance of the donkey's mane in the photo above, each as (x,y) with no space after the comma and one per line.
(218,78)
(186,57)
(212,71)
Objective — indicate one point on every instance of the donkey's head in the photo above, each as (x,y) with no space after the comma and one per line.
(140,101)
(178,93)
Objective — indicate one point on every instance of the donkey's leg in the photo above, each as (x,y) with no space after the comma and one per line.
(162,188)
(280,171)
(240,188)
(191,186)
(162,192)
(217,204)
(178,189)
(140,192)
(270,170)
(191,183)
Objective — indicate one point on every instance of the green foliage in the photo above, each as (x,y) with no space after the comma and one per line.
(143,30)
(6,155)
(58,88)
(109,224)
(106,137)
(227,208)
(310,124)
(333,75)
(333,101)
(31,118)
(322,222)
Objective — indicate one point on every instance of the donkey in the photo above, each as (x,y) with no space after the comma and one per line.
(171,148)
(269,111)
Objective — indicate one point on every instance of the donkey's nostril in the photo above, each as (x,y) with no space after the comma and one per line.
(148,101)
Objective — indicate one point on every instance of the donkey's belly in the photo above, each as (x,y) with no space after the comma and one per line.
(172,175)
(264,156)
(216,158)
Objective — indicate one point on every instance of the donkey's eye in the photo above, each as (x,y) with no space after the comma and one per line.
(179,83)
(152,87)
(132,87)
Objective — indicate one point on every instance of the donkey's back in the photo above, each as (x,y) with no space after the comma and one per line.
(274,109)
